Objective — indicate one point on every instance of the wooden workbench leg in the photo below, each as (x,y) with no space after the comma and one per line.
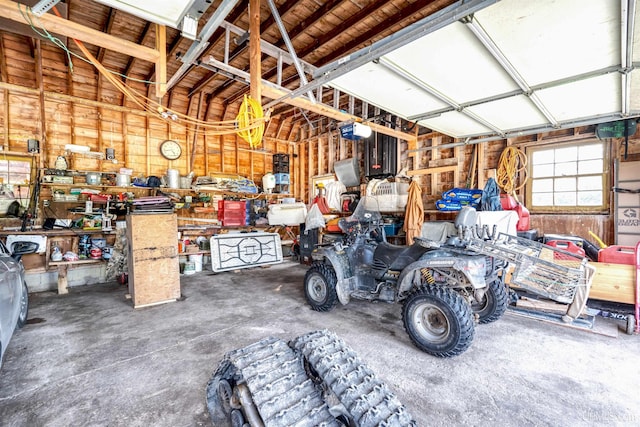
(62,280)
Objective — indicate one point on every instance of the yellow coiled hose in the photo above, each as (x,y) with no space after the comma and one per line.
(250,121)
(512,165)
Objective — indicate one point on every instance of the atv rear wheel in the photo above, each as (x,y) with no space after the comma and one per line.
(494,304)
(320,287)
(438,320)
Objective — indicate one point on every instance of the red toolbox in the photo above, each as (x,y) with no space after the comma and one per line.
(232,213)
(618,255)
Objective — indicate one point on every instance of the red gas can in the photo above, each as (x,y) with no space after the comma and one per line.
(567,245)
(618,255)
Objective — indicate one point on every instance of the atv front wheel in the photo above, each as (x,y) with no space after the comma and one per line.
(494,304)
(438,320)
(320,287)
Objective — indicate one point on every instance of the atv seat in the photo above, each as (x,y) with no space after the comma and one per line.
(396,257)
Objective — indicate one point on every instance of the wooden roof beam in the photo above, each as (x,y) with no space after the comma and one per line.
(324,110)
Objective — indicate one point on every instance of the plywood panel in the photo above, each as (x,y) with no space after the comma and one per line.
(154,272)
(613,282)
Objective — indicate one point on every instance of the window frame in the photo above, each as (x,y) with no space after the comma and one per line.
(24,201)
(606,171)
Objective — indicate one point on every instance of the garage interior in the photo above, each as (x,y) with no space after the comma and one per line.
(140,138)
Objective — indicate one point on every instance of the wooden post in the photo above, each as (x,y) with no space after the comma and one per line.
(255,60)
(40,83)
(161,64)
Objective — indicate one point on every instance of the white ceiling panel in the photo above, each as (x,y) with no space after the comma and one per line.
(585,98)
(635,89)
(443,60)
(455,124)
(548,40)
(565,53)
(379,86)
(515,112)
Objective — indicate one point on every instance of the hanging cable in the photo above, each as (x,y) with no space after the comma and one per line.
(250,121)
(512,168)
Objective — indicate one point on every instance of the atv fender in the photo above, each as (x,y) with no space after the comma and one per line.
(345,283)
(411,276)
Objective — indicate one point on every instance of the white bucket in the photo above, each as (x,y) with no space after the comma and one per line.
(189,267)
(196,259)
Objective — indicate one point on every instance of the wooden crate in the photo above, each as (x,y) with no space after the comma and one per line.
(613,282)
(154,271)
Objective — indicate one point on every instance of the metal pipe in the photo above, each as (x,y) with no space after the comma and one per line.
(248,407)
(292,51)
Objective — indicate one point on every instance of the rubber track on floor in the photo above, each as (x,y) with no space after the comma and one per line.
(367,398)
(279,386)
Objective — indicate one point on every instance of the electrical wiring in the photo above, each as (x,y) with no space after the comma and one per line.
(512,168)
(253,118)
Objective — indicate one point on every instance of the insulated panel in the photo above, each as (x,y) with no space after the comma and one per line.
(455,63)
(584,98)
(515,112)
(378,86)
(635,90)
(547,40)
(455,124)
(244,250)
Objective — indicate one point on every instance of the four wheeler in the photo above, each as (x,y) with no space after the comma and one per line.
(444,289)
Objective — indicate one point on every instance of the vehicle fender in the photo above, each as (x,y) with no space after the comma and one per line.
(412,277)
(340,262)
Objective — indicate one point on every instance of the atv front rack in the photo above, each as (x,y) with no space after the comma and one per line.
(544,270)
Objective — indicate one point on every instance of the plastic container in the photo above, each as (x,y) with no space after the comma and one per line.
(173,178)
(462,194)
(617,254)
(281,178)
(189,268)
(232,213)
(93,178)
(197,261)
(567,245)
(287,213)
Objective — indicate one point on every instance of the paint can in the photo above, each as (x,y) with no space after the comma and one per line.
(189,268)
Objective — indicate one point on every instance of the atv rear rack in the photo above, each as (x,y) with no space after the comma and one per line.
(544,270)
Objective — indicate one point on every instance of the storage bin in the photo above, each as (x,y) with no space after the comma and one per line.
(391,196)
(282,178)
(287,213)
(232,213)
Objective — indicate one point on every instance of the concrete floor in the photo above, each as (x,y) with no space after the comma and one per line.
(90,359)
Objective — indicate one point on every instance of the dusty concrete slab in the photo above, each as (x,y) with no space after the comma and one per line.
(94,360)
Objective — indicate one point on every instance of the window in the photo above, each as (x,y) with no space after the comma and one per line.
(568,177)
(15,175)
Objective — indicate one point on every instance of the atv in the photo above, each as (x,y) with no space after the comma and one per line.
(444,288)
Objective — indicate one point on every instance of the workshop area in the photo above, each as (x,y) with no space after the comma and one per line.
(319,213)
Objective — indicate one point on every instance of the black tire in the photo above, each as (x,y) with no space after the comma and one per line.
(631,324)
(438,320)
(320,287)
(24,307)
(494,305)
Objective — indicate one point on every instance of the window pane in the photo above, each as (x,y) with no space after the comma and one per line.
(590,166)
(543,170)
(542,199)
(564,184)
(567,168)
(592,151)
(567,153)
(564,199)
(542,157)
(590,183)
(590,198)
(542,185)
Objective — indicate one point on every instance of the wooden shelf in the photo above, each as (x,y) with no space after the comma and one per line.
(80,261)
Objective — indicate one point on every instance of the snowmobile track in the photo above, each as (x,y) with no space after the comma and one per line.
(278,383)
(366,398)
